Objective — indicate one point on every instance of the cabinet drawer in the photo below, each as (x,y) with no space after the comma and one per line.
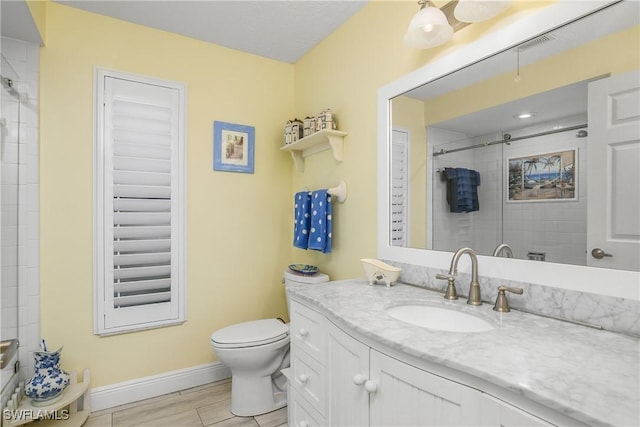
(301,414)
(308,331)
(308,379)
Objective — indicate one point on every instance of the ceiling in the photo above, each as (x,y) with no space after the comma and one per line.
(280,30)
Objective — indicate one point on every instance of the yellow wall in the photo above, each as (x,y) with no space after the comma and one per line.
(238,225)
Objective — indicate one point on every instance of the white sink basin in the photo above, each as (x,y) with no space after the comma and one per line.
(440,319)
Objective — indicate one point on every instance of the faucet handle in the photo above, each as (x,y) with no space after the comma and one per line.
(502,304)
(450,293)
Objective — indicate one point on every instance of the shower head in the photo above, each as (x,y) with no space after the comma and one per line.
(7,83)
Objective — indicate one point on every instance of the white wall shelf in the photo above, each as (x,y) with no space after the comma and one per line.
(75,401)
(315,143)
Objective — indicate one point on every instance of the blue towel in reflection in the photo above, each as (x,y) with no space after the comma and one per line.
(301,216)
(462,189)
(320,231)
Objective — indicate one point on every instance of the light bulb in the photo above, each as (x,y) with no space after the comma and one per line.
(427,28)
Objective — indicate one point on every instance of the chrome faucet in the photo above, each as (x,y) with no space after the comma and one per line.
(474,287)
(508,253)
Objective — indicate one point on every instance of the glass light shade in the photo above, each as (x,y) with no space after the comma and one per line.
(428,28)
(478,10)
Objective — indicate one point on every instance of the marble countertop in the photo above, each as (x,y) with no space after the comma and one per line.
(587,374)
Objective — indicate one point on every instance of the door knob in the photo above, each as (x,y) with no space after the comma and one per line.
(598,253)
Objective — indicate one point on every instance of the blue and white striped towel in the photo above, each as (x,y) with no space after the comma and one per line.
(320,231)
(301,218)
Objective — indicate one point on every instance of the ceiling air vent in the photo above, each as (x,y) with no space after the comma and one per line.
(536,42)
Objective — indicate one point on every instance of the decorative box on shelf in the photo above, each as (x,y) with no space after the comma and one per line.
(320,141)
(70,410)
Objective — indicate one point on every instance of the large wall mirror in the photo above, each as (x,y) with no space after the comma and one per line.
(501,143)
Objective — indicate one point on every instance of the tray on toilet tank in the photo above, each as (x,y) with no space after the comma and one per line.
(304,268)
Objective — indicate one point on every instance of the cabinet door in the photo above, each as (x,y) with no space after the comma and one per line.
(347,374)
(408,396)
(498,413)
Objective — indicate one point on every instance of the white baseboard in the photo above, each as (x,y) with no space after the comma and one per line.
(156,385)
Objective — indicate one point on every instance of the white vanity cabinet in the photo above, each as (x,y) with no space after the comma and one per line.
(306,399)
(340,381)
(495,412)
(407,395)
(348,379)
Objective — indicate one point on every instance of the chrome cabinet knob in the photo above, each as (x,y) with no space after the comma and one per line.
(303,378)
(303,333)
(598,253)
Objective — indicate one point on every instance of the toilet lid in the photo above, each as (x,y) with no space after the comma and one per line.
(250,334)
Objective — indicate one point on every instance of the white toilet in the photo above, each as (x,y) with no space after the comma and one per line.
(255,352)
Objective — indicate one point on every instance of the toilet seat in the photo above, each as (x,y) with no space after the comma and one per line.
(250,334)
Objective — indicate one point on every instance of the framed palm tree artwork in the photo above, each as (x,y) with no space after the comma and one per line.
(543,177)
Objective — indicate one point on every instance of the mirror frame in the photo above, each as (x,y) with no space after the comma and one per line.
(596,280)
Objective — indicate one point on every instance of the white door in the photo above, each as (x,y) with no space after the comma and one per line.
(613,164)
(408,396)
(347,376)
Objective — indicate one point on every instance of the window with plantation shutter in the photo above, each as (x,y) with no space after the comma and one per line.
(399,187)
(139,203)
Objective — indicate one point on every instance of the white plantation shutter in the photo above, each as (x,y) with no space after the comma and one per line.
(139,203)
(399,187)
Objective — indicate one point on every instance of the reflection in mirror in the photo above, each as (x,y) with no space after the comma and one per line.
(489,175)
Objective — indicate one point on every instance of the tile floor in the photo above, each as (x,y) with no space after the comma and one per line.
(207,405)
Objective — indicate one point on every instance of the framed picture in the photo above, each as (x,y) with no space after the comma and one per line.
(233,147)
(543,177)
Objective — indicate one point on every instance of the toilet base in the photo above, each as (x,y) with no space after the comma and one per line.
(252,396)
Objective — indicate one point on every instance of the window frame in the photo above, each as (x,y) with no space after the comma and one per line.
(131,321)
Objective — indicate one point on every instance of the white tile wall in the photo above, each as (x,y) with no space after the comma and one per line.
(21,238)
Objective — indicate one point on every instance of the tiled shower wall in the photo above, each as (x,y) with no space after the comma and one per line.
(21,139)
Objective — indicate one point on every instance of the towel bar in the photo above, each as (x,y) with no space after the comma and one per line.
(339,191)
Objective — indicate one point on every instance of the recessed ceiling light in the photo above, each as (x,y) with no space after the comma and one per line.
(524,115)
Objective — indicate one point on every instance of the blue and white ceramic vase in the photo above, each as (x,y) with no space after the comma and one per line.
(49,380)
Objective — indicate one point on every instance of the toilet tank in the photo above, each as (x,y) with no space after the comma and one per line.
(291,277)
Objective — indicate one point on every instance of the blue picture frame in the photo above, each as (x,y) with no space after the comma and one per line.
(233,147)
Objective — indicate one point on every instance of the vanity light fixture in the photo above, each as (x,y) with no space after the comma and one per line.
(428,28)
(433,26)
